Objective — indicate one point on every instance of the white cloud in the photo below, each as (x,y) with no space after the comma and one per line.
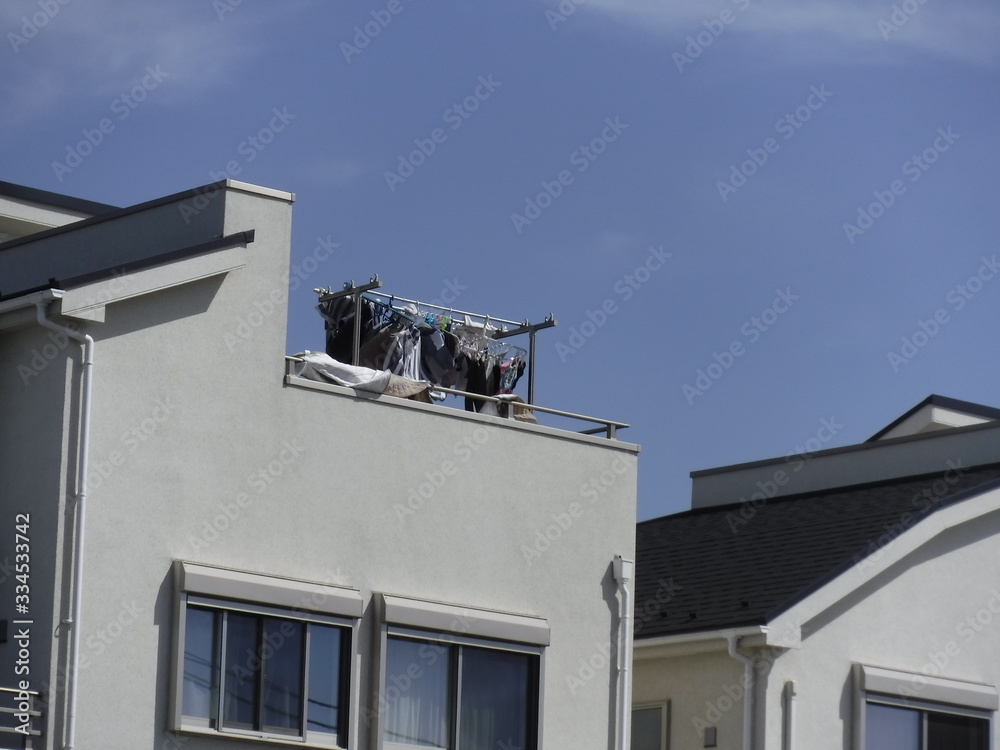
(99,48)
(821,28)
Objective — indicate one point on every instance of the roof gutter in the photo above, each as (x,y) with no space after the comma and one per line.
(30,300)
(82,477)
(704,636)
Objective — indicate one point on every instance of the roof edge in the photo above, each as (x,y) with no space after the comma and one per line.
(48,198)
(944,402)
(871,548)
(208,190)
(855,448)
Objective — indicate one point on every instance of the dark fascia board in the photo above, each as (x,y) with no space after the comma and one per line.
(45,197)
(865,446)
(863,553)
(734,625)
(736,504)
(229,240)
(208,190)
(987,412)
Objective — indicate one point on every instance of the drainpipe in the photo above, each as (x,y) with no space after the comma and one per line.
(82,476)
(748,690)
(789,696)
(623,574)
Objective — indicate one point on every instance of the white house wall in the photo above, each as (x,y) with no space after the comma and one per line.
(200,453)
(903,620)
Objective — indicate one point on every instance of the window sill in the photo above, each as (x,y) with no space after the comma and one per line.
(271,739)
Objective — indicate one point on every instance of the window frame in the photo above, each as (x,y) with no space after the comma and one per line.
(664,707)
(940,695)
(209,588)
(455,626)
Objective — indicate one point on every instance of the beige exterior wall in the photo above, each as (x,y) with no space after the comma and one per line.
(934,612)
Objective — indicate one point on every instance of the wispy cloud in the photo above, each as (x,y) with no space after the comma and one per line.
(97,49)
(821,28)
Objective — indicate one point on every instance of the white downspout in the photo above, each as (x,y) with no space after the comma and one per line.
(748,690)
(789,694)
(623,574)
(82,476)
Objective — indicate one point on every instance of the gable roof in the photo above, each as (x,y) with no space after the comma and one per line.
(934,406)
(724,569)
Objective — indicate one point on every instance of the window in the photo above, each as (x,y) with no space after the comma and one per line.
(247,671)
(437,692)
(907,711)
(649,727)
(445,686)
(894,727)
(259,670)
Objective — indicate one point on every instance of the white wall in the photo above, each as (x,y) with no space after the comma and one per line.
(194,422)
(935,612)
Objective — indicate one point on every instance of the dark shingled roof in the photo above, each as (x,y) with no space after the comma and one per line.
(712,568)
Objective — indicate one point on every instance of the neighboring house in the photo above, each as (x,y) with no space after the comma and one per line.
(203,549)
(855,590)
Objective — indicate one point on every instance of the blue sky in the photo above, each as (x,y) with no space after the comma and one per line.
(746,216)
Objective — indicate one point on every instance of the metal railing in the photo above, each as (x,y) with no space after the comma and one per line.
(20,719)
(506,407)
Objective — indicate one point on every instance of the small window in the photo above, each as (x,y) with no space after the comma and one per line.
(259,672)
(649,727)
(464,695)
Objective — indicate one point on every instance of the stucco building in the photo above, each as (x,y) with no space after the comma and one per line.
(213,551)
(839,599)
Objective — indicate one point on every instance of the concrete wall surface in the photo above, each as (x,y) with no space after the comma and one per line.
(200,452)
